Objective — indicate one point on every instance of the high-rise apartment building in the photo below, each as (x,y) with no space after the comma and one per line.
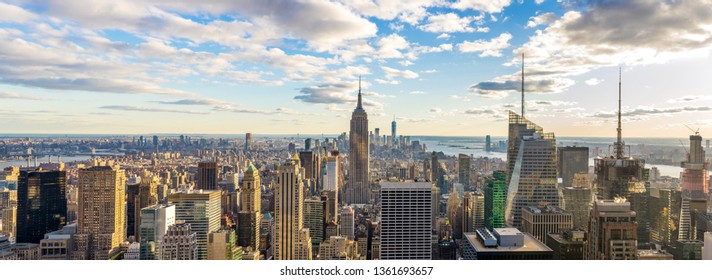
(694,185)
(571,160)
(531,160)
(612,232)
(41,204)
(201,209)
(358,190)
(207,177)
(290,240)
(100,215)
(155,221)
(406,223)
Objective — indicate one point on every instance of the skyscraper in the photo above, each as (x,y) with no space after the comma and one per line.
(41,204)
(464,170)
(578,198)
(694,181)
(222,245)
(406,223)
(621,175)
(248,141)
(207,177)
(488,143)
(290,241)
(155,221)
(393,131)
(312,167)
(100,217)
(359,187)
(612,232)
(201,209)
(139,195)
(531,160)
(347,222)
(495,198)
(315,221)
(249,217)
(540,221)
(571,160)
(179,243)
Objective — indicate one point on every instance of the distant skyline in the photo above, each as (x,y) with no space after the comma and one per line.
(448,68)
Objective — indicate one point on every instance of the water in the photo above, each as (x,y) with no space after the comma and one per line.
(474,146)
(45,159)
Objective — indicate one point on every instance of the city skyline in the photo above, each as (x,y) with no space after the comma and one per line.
(442,68)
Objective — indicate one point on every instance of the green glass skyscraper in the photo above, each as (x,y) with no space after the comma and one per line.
(495,196)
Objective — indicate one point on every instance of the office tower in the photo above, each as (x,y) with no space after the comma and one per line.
(434,204)
(41,204)
(9,222)
(406,224)
(567,245)
(495,198)
(488,143)
(57,245)
(248,223)
(571,161)
(331,180)
(612,232)
(179,243)
(290,242)
(694,185)
(222,245)
(332,205)
(347,222)
(338,248)
(540,221)
(201,209)
(315,221)
(155,221)
(468,210)
(100,215)
(393,131)
(312,167)
(577,201)
(248,141)
(464,170)
(503,244)
(377,137)
(434,169)
(6,197)
(155,141)
(207,177)
(359,187)
(132,190)
(453,209)
(621,175)
(531,160)
(665,205)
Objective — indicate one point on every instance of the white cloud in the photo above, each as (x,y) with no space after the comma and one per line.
(15,14)
(391,73)
(593,81)
(390,46)
(448,23)
(542,19)
(492,47)
(443,36)
(12,95)
(489,6)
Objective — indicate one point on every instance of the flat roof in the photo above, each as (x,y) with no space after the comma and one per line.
(407,185)
(530,245)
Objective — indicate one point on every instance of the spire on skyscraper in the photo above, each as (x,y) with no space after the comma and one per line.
(619,145)
(358,106)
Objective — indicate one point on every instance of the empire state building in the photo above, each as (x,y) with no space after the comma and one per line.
(358,188)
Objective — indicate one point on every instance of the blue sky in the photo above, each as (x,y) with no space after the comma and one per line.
(281,67)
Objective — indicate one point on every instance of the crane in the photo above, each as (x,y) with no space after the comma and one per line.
(697,132)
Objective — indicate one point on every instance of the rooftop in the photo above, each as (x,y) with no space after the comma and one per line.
(530,243)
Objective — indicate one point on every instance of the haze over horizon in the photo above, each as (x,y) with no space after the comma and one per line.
(442,68)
